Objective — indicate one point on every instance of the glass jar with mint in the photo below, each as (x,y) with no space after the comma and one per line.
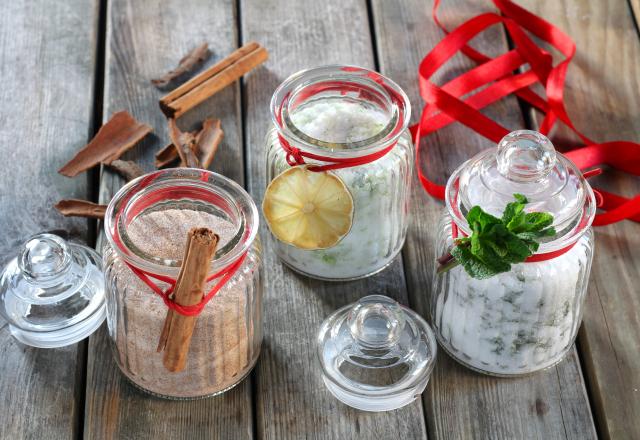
(515,247)
(339,167)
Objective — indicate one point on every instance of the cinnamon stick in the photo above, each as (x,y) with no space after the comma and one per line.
(80,208)
(207,141)
(185,143)
(115,137)
(212,80)
(127,169)
(189,290)
(185,65)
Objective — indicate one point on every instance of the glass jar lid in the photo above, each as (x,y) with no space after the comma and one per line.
(524,162)
(52,292)
(376,355)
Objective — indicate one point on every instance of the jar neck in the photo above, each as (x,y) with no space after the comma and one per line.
(568,233)
(341,85)
(184,189)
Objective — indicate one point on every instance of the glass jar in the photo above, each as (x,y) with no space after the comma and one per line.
(342,113)
(146,226)
(524,320)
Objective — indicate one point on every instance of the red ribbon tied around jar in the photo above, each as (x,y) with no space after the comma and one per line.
(222,276)
(444,104)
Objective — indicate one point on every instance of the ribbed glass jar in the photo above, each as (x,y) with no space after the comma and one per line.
(516,322)
(526,319)
(348,112)
(146,225)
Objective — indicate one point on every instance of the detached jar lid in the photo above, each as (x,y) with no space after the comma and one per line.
(524,162)
(52,292)
(376,355)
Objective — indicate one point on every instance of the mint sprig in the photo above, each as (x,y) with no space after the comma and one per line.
(497,243)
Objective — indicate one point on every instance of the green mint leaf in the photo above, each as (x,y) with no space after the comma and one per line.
(536,221)
(512,210)
(520,198)
(473,266)
(496,243)
(476,214)
(519,250)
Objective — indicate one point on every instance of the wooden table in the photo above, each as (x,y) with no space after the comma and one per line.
(66,66)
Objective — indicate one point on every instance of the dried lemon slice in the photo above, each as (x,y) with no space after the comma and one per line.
(309,210)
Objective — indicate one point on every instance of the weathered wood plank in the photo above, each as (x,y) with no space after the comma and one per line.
(47,62)
(603,96)
(460,403)
(291,400)
(144,40)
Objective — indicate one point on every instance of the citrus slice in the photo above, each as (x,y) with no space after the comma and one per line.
(309,210)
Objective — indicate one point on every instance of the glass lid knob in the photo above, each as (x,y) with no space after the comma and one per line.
(525,156)
(376,321)
(44,256)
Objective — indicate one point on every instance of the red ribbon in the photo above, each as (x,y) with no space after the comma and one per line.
(444,104)
(166,295)
(295,156)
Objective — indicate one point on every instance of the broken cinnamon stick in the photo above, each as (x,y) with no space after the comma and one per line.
(80,208)
(185,143)
(212,80)
(127,169)
(167,156)
(189,290)
(115,137)
(207,141)
(185,65)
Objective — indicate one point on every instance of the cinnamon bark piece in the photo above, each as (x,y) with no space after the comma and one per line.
(189,290)
(185,65)
(127,169)
(207,141)
(80,208)
(167,156)
(115,137)
(212,80)
(185,143)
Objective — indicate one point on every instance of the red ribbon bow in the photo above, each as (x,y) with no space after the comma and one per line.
(444,104)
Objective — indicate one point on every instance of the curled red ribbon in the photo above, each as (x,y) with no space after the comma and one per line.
(444,104)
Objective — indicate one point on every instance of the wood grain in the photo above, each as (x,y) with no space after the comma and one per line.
(144,39)
(47,61)
(291,399)
(462,404)
(603,97)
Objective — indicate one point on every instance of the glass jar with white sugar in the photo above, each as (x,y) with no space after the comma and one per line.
(350,123)
(526,319)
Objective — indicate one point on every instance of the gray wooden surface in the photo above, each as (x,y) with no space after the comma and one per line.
(545,405)
(610,336)
(47,61)
(47,64)
(291,400)
(143,40)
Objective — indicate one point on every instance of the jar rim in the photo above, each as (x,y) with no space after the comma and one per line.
(307,81)
(159,186)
